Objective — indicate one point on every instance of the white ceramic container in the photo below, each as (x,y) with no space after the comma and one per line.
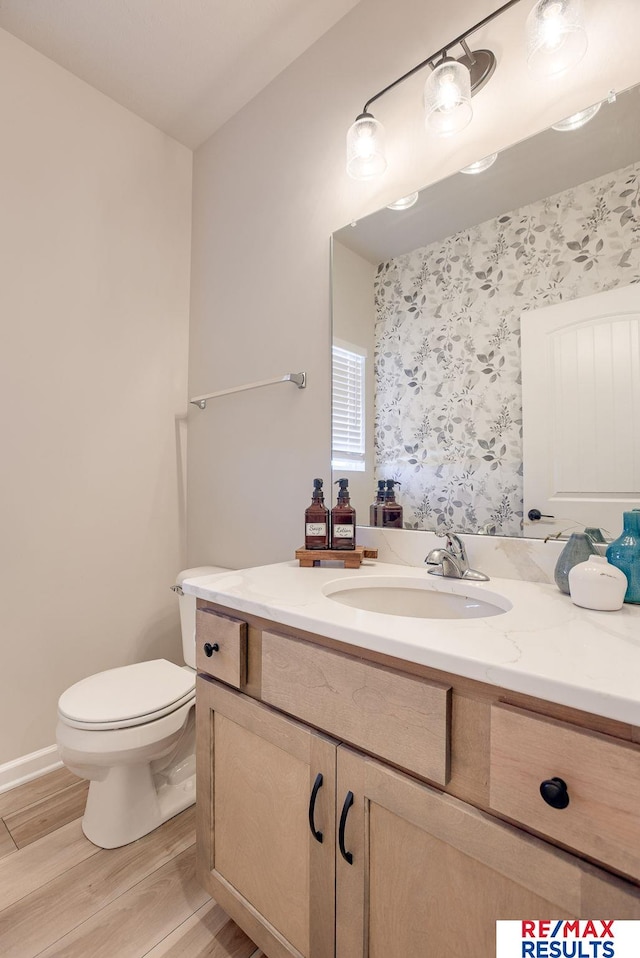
(596,584)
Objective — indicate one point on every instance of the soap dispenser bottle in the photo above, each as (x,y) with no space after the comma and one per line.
(375,509)
(343,519)
(391,510)
(316,520)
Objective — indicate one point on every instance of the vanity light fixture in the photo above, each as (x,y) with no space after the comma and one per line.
(480,165)
(365,148)
(556,40)
(556,36)
(576,120)
(447,98)
(404,203)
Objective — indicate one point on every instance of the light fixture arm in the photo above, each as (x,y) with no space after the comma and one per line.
(442,52)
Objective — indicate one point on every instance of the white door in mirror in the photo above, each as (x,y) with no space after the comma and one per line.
(596,584)
(580,370)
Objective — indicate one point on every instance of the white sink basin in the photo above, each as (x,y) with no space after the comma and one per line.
(416,597)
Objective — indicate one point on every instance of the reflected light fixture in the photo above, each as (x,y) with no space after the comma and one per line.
(576,120)
(480,165)
(556,36)
(404,203)
(556,40)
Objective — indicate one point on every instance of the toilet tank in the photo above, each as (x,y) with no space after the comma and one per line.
(188,610)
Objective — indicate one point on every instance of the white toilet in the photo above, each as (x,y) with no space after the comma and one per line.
(131,732)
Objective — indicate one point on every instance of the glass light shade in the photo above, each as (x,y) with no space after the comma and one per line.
(480,165)
(556,37)
(447,98)
(404,202)
(365,148)
(576,120)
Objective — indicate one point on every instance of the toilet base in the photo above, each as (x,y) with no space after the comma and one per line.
(131,802)
(139,776)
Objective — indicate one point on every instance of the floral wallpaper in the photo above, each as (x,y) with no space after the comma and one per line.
(448,421)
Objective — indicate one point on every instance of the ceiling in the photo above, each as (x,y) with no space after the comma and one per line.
(186,66)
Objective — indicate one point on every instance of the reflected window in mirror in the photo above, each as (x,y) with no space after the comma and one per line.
(348,407)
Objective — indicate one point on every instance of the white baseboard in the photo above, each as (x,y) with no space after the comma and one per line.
(27,767)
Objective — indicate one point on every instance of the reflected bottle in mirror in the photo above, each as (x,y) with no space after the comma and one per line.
(391,510)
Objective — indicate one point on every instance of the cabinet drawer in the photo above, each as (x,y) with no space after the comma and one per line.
(221,647)
(403,719)
(602,776)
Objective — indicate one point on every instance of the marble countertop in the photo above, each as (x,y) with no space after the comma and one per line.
(543,645)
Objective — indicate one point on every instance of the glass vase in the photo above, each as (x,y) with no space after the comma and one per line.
(624,552)
(578,549)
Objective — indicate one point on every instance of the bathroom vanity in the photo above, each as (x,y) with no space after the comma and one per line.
(370,784)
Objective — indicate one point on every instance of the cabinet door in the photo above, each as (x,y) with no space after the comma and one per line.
(256,803)
(430,875)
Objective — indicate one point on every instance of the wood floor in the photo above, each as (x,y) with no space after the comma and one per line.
(61,896)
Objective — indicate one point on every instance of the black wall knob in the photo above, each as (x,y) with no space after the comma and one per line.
(210,649)
(555,792)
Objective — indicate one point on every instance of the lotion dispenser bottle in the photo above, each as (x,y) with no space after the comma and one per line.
(375,509)
(391,510)
(343,519)
(316,520)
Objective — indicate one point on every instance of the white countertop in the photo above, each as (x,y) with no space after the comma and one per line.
(543,646)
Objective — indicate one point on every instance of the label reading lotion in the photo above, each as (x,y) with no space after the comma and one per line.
(316,529)
(343,531)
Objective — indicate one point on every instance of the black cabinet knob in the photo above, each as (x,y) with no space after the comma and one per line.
(555,792)
(210,649)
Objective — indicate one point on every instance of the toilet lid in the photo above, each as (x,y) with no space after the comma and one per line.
(127,696)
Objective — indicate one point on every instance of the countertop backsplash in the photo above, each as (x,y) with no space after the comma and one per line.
(530,560)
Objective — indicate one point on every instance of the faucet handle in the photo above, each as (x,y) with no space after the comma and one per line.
(455,545)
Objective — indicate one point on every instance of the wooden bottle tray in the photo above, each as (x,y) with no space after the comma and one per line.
(352,558)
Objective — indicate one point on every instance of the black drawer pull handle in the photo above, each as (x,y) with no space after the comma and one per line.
(555,792)
(317,834)
(210,649)
(348,802)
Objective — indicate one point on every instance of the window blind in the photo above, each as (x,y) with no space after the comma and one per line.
(347,441)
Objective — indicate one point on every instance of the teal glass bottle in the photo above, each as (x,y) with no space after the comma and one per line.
(624,552)
(578,549)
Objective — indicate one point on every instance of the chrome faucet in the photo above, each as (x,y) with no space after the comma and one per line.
(451,562)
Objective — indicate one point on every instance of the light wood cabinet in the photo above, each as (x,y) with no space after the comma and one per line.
(601,816)
(397,717)
(431,875)
(416,856)
(221,650)
(257,795)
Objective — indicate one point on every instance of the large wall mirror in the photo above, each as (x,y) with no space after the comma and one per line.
(438,308)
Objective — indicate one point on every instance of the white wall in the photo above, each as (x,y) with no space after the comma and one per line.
(353,315)
(94,246)
(269,189)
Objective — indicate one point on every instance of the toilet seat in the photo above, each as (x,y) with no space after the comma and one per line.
(127,696)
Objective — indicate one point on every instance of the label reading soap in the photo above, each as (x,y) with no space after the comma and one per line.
(316,529)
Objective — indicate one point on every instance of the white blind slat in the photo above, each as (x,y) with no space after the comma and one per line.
(347,407)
